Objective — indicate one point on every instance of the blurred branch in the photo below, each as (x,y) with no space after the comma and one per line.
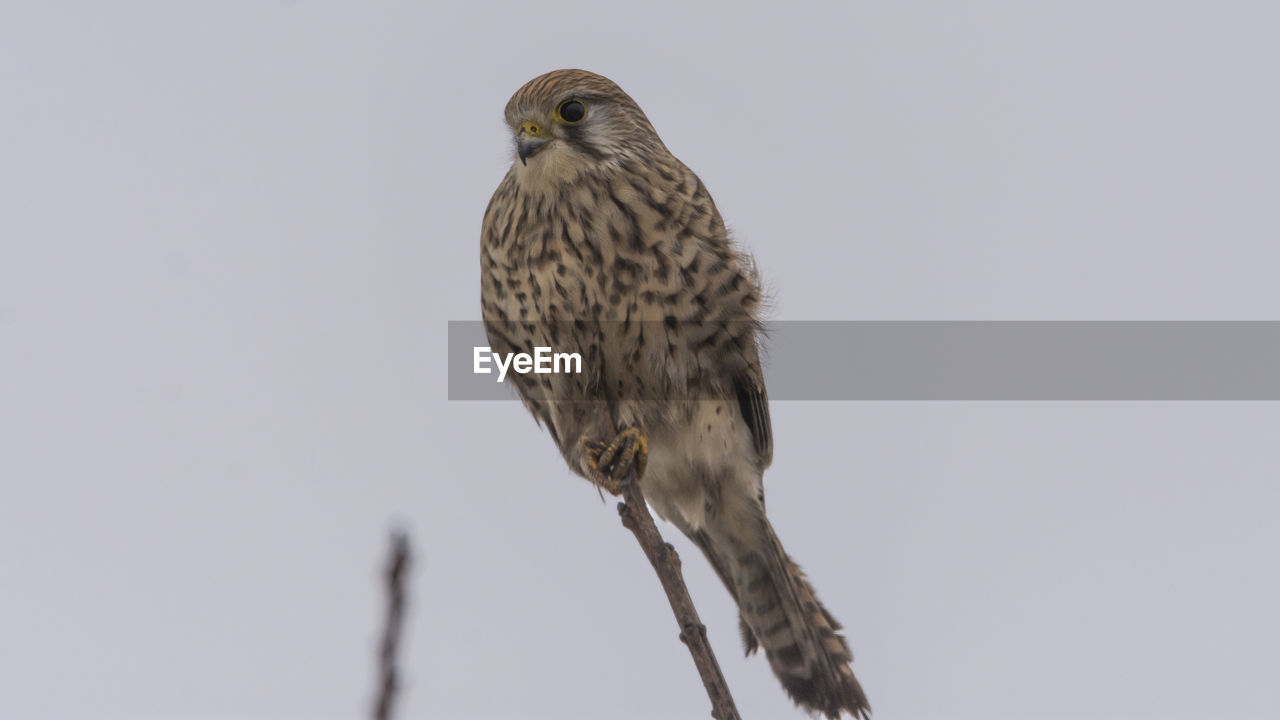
(388,674)
(666,563)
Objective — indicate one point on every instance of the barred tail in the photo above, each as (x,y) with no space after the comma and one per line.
(781,613)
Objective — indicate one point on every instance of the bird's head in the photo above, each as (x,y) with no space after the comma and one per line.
(567,122)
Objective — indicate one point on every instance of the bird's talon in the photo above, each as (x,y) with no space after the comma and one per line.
(614,463)
(594,448)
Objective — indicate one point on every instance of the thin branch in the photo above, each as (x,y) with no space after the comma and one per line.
(666,563)
(388,674)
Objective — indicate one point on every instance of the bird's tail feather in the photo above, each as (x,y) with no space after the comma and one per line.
(801,640)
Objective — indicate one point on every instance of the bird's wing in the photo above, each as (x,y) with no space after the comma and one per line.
(753,401)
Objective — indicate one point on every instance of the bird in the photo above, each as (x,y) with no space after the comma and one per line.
(600,242)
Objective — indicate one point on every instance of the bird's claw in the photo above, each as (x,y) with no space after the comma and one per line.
(613,462)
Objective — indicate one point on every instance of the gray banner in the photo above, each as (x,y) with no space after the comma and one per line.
(981,360)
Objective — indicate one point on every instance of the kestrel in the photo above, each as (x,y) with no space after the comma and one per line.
(599,241)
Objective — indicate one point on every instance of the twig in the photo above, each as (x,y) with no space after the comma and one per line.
(388,675)
(666,563)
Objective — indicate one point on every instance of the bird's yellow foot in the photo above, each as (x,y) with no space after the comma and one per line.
(613,461)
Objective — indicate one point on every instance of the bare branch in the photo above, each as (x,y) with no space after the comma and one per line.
(388,674)
(666,563)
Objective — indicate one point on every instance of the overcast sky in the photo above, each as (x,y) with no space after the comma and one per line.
(232,234)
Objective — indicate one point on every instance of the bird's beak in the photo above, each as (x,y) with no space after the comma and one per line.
(530,139)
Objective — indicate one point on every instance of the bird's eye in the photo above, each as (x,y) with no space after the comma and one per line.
(571,111)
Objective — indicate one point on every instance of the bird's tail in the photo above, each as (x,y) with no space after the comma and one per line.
(782,614)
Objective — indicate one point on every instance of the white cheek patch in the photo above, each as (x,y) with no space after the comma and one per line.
(556,163)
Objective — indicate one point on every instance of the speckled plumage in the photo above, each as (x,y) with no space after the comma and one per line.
(599,241)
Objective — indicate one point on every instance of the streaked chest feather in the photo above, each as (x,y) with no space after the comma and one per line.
(636,277)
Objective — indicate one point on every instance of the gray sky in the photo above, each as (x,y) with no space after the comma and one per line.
(231,235)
